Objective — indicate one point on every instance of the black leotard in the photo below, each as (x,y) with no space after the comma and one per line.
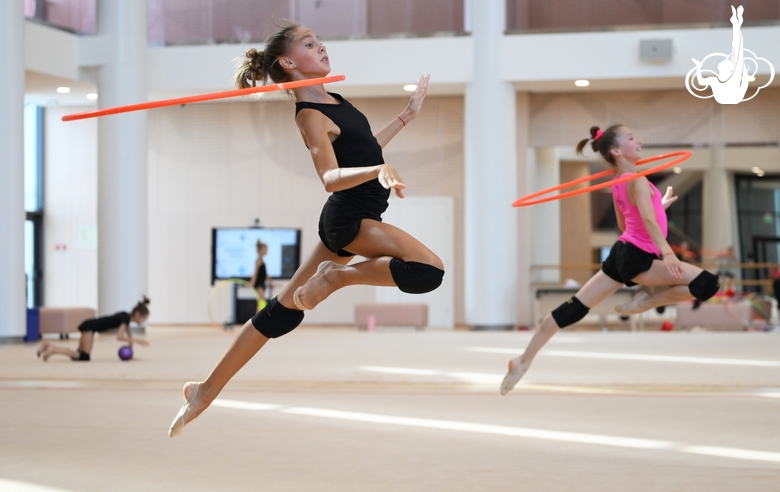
(106,322)
(262,275)
(355,146)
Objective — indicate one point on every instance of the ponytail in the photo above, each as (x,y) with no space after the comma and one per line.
(141,308)
(601,141)
(260,66)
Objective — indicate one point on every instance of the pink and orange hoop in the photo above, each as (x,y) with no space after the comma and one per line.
(204,97)
(681,155)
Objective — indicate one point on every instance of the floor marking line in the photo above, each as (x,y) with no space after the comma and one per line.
(626,442)
(466,377)
(244,405)
(17,486)
(523,432)
(742,454)
(634,357)
(402,370)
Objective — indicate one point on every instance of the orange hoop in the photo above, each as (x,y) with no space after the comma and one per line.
(528,200)
(203,97)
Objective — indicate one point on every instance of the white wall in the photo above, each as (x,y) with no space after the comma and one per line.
(219,165)
(70,208)
(431,220)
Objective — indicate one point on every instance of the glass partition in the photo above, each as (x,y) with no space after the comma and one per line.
(583,15)
(188,22)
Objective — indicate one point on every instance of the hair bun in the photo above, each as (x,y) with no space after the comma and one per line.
(145,301)
(594,131)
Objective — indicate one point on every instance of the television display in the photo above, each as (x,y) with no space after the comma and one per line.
(234,251)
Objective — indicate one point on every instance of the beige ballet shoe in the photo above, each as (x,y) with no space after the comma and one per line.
(297,299)
(178,423)
(512,377)
(633,306)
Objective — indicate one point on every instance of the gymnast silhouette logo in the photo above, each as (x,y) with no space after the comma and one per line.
(735,70)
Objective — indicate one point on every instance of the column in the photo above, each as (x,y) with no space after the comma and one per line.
(12,216)
(718,203)
(491,224)
(546,218)
(122,157)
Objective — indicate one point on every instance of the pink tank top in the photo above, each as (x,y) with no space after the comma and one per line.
(635,232)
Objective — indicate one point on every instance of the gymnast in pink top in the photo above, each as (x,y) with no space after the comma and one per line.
(640,256)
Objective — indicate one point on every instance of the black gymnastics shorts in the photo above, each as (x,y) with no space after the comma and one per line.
(93,325)
(340,224)
(626,261)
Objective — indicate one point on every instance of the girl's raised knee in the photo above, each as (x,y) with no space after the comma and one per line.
(414,277)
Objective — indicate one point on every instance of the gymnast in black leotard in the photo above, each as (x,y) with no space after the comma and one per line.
(260,278)
(120,321)
(347,156)
(355,146)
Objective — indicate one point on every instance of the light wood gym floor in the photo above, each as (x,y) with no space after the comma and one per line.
(326,409)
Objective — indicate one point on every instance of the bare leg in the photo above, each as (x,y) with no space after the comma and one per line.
(595,290)
(85,345)
(249,341)
(380,243)
(54,349)
(658,275)
(44,346)
(644,302)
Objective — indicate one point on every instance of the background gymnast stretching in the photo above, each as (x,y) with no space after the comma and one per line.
(88,328)
(348,160)
(640,256)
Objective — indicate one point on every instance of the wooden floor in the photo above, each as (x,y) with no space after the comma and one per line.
(341,410)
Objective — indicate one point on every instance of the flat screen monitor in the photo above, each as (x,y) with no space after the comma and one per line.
(234,252)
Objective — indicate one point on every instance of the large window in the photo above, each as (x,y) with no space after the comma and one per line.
(33,203)
(586,15)
(183,22)
(758,214)
(71,15)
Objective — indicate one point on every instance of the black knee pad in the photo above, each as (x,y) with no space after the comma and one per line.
(569,312)
(83,356)
(275,320)
(415,278)
(704,286)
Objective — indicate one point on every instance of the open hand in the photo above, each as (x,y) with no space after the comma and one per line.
(668,198)
(415,103)
(674,266)
(389,178)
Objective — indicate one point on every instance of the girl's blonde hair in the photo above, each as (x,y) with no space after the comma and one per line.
(259,66)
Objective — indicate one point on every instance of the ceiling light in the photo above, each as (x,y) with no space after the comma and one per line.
(410,87)
(92,96)
(677,170)
(760,174)
(63,90)
(755,169)
(582,83)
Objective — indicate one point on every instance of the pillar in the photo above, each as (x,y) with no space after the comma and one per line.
(122,157)
(12,215)
(491,223)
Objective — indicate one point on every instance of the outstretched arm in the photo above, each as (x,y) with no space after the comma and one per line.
(123,335)
(390,130)
(317,129)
